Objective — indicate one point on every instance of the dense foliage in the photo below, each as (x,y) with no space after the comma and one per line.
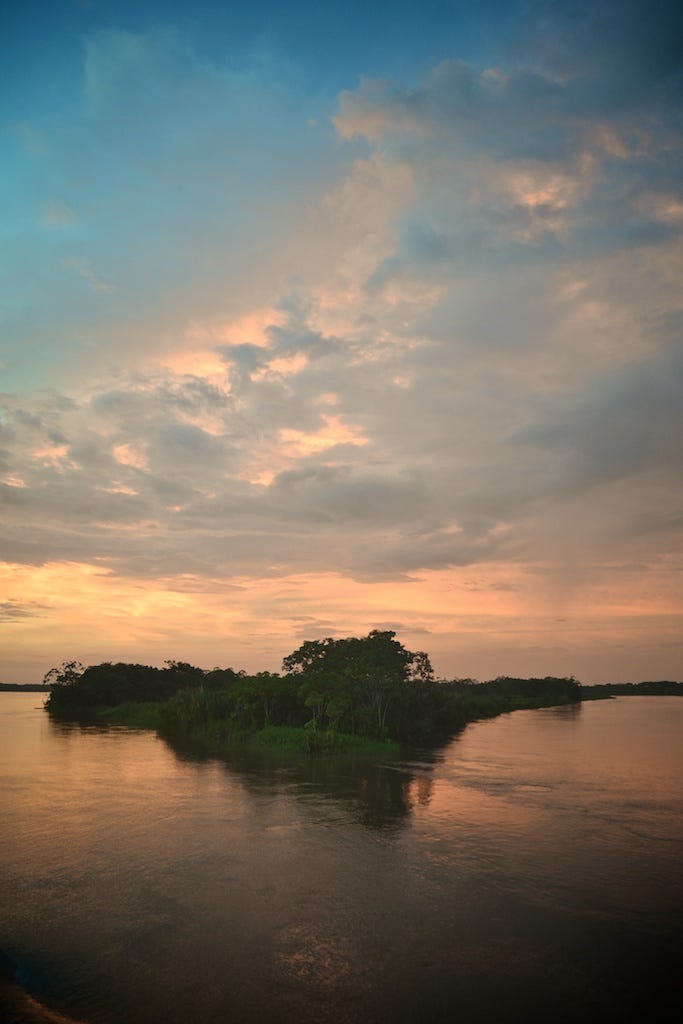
(368,686)
(23,687)
(75,688)
(650,688)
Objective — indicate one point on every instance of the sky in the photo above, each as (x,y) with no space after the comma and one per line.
(324,318)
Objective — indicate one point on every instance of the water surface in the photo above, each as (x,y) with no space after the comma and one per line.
(528,870)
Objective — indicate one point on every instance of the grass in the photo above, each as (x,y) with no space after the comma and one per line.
(312,741)
(216,734)
(215,737)
(135,715)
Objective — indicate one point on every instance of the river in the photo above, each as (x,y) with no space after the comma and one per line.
(528,870)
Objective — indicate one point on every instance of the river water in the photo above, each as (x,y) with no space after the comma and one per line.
(529,870)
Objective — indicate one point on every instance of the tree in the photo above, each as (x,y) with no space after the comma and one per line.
(269,686)
(313,654)
(356,677)
(67,674)
(382,665)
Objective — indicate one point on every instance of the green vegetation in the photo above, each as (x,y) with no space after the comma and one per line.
(23,688)
(334,696)
(76,689)
(134,714)
(508,693)
(654,688)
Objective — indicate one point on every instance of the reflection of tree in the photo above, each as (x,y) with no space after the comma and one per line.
(392,792)
(376,795)
(385,796)
(69,726)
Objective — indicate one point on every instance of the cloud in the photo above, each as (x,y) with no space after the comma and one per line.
(623,425)
(185,175)
(620,54)
(57,215)
(545,163)
(13,611)
(439,349)
(84,270)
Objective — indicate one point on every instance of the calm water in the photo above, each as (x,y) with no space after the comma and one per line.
(529,870)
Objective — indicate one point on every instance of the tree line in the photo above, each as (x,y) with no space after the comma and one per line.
(369,686)
(648,688)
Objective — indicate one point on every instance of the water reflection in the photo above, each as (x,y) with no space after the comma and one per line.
(376,793)
(528,871)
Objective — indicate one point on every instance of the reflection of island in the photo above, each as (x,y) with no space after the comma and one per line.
(378,789)
(375,792)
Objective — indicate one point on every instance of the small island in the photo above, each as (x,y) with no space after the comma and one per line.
(333,696)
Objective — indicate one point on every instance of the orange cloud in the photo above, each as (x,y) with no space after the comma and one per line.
(300,443)
(53,455)
(130,455)
(483,622)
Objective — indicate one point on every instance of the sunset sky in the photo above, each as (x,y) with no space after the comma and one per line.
(322,317)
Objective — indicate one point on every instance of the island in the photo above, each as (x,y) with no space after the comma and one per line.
(333,695)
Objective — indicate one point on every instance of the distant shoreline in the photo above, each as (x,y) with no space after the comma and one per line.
(24,688)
